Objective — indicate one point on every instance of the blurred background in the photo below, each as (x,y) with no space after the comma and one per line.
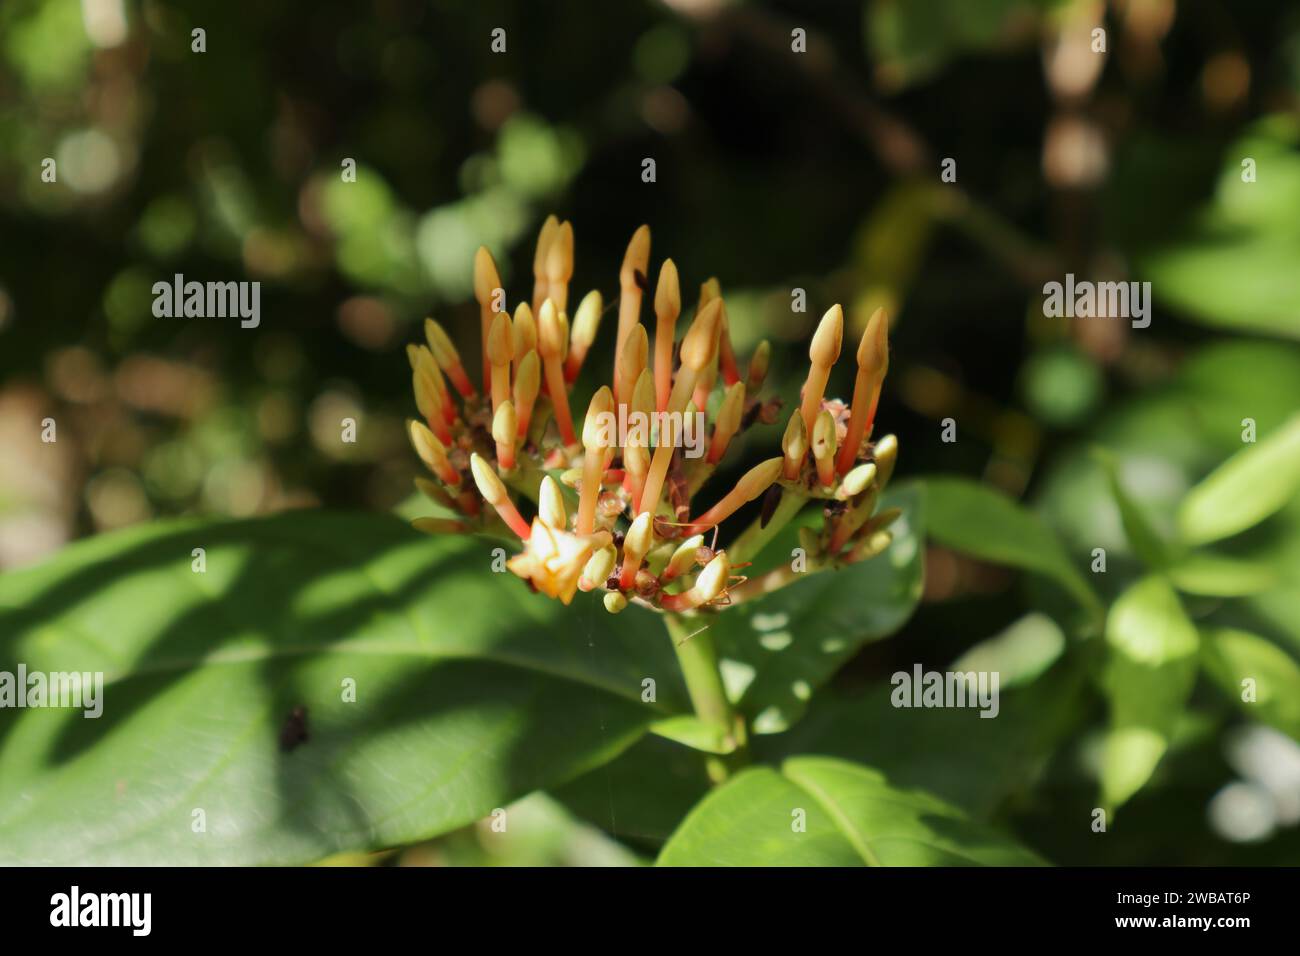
(783,160)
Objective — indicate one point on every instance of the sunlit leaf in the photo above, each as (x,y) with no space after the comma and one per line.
(1150,666)
(820,811)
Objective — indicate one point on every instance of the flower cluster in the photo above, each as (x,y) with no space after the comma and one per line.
(613,508)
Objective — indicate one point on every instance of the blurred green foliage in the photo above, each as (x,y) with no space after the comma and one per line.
(776,171)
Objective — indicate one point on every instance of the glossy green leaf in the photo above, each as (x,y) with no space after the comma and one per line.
(1150,667)
(820,811)
(973,762)
(642,794)
(1262,678)
(1246,489)
(777,650)
(469,692)
(984,522)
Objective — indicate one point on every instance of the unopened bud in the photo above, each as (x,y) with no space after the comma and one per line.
(823,448)
(700,346)
(885,455)
(490,485)
(825,347)
(486,277)
(550,332)
(713,579)
(684,557)
(596,433)
(500,347)
(794,446)
(857,480)
(550,504)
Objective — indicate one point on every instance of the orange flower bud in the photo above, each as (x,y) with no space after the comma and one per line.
(550,343)
(794,446)
(504,432)
(636,268)
(873,363)
(823,448)
(541,283)
(752,484)
(448,359)
(586,322)
(494,492)
(822,353)
(728,422)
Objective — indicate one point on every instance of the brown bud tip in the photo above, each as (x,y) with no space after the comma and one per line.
(701,342)
(668,294)
(486,277)
(597,431)
(490,485)
(637,257)
(873,351)
(500,345)
(825,348)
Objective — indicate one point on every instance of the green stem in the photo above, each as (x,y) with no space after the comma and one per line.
(753,539)
(698,656)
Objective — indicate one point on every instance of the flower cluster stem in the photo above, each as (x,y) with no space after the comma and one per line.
(697,654)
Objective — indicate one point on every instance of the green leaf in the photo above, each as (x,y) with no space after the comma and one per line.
(1146,543)
(913,39)
(972,762)
(1232,657)
(469,692)
(1218,575)
(1150,667)
(1233,264)
(693,732)
(1244,490)
(642,794)
(776,650)
(820,811)
(979,520)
